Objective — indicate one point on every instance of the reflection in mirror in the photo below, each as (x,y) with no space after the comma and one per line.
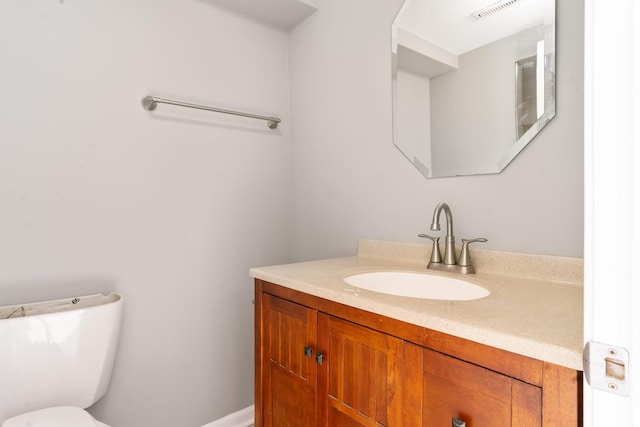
(472,84)
(526,95)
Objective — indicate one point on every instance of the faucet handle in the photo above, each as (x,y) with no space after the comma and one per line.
(436,256)
(465,258)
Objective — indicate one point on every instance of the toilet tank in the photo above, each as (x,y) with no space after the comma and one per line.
(57,353)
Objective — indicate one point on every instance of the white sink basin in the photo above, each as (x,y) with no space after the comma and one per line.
(417,285)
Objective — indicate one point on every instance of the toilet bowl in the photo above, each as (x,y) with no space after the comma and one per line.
(56,359)
(59,416)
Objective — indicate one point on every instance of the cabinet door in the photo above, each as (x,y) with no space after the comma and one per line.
(290,373)
(450,389)
(360,379)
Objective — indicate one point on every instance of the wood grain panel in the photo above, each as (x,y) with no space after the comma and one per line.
(521,367)
(412,387)
(294,402)
(341,416)
(290,378)
(453,388)
(290,329)
(562,397)
(526,405)
(364,374)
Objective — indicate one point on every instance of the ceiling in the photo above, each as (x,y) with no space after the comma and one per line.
(449,24)
(284,14)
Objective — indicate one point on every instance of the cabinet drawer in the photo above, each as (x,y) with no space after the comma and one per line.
(442,388)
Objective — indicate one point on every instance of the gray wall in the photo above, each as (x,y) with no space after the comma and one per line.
(349,181)
(169,208)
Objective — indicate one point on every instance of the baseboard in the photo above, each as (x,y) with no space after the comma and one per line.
(241,418)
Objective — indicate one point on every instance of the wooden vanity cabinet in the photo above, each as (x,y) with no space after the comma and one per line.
(321,363)
(320,370)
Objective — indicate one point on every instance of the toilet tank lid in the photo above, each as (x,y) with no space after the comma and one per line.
(59,416)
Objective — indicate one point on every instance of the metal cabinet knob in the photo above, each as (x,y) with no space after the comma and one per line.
(455,422)
(308,351)
(319,358)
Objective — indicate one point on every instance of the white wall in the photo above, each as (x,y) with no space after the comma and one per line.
(170,208)
(349,180)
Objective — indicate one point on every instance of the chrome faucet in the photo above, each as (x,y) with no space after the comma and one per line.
(449,263)
(450,240)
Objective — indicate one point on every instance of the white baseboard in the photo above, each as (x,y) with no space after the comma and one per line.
(241,418)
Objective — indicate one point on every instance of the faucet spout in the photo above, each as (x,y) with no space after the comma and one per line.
(450,241)
(435,222)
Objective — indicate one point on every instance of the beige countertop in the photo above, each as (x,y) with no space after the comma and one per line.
(535,306)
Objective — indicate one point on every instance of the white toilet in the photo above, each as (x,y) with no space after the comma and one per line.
(56,358)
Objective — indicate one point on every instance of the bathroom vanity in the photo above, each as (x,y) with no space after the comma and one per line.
(330,354)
